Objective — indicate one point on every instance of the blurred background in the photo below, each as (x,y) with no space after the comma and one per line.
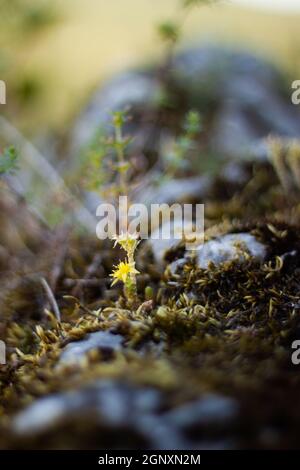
(192,367)
(54,53)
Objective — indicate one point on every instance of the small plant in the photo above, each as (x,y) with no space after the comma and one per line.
(176,157)
(119,167)
(126,270)
(170,30)
(120,144)
(8,160)
(100,170)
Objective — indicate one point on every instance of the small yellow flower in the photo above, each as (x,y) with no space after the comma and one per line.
(128,241)
(123,271)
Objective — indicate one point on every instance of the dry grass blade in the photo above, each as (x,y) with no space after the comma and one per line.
(51,298)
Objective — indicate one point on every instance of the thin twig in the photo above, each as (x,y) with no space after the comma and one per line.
(61,249)
(51,298)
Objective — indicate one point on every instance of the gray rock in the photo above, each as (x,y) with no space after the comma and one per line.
(233,246)
(230,247)
(249,94)
(250,105)
(209,410)
(160,244)
(176,190)
(205,73)
(233,134)
(171,191)
(103,340)
(234,173)
(240,131)
(128,89)
(271,110)
(176,265)
(45,413)
(111,404)
(163,435)
(121,410)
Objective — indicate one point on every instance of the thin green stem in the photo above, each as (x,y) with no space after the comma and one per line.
(121,159)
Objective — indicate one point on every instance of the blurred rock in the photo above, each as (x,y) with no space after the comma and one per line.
(233,134)
(210,410)
(250,99)
(112,403)
(160,244)
(133,90)
(243,95)
(128,416)
(105,341)
(266,105)
(176,190)
(206,73)
(105,414)
(234,173)
(239,130)
(246,94)
(176,265)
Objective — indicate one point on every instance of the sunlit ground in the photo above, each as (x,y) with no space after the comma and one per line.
(95,38)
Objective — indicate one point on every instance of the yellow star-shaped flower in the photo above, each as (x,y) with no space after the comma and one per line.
(123,271)
(128,241)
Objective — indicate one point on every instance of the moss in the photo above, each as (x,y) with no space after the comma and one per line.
(227,329)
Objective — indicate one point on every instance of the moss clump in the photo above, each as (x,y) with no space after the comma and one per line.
(225,330)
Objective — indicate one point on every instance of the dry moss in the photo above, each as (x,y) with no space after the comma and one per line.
(227,329)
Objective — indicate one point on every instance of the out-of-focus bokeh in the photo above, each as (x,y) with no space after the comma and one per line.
(54,53)
(195,350)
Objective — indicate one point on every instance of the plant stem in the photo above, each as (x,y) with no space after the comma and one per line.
(130,288)
(121,159)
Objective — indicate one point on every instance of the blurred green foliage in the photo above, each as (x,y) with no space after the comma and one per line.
(21,22)
(8,160)
(27,16)
(168,31)
(106,158)
(176,158)
(28,88)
